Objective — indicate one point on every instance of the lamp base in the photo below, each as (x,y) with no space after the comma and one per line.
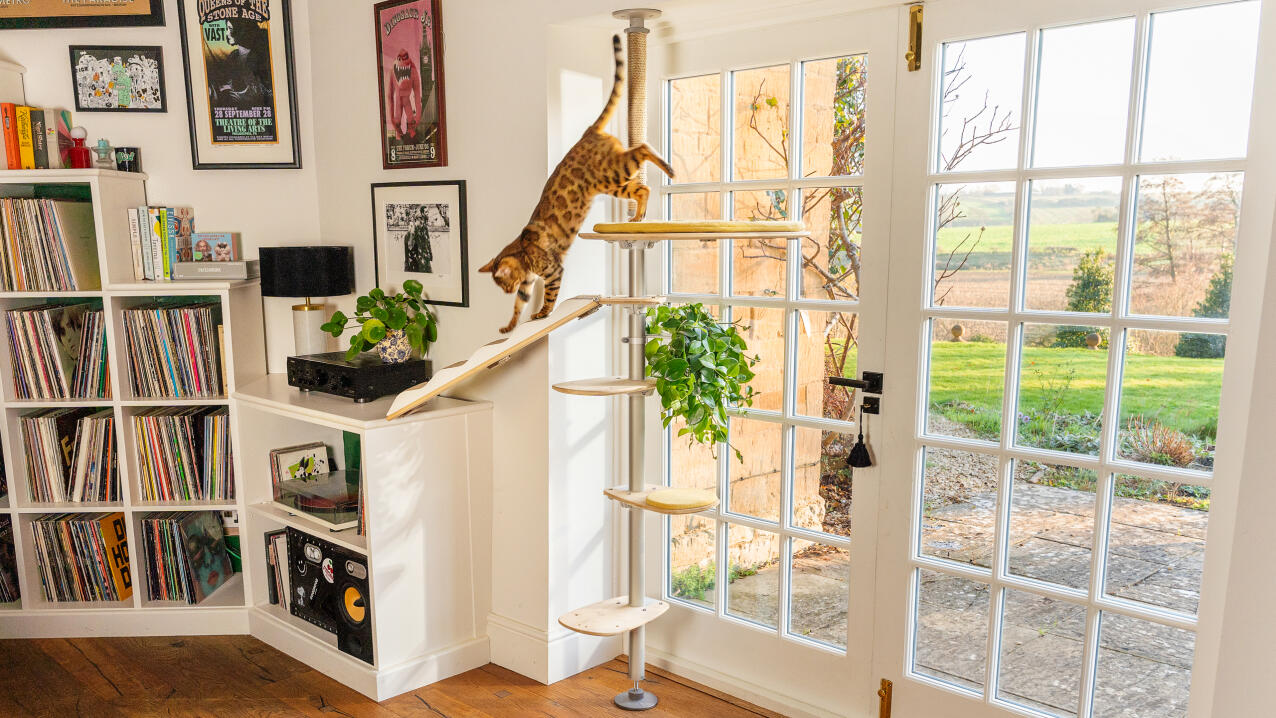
(307,335)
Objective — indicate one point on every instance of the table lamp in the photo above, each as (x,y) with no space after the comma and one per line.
(307,272)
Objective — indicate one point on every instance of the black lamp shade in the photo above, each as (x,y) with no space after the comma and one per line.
(307,271)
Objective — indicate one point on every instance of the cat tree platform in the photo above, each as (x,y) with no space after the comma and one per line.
(612,617)
(606,386)
(694,230)
(639,500)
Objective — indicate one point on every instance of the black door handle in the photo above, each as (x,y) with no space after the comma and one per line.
(870,384)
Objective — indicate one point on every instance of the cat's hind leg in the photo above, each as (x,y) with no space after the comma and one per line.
(553,282)
(644,153)
(521,296)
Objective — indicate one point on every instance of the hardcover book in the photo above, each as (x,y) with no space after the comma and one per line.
(12,151)
(247,269)
(39,140)
(215,247)
(25,148)
(181,225)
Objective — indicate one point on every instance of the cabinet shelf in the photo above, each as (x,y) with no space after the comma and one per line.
(605,386)
(346,538)
(638,500)
(612,617)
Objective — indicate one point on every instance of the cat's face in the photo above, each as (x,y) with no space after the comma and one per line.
(507,271)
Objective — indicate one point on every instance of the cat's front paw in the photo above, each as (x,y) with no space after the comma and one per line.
(540,315)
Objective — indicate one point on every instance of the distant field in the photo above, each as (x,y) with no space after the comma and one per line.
(997,239)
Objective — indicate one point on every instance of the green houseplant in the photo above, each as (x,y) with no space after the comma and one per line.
(393,324)
(700,368)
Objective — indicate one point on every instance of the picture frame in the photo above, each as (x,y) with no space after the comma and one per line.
(410,83)
(241,87)
(419,231)
(45,14)
(100,72)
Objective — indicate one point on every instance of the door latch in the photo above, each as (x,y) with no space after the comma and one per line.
(884,699)
(870,384)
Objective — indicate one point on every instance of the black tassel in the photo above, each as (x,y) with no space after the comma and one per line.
(859,457)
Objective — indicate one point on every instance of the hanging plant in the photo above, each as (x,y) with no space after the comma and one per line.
(397,323)
(700,368)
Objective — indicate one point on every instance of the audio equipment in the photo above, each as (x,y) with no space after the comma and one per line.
(363,378)
(330,590)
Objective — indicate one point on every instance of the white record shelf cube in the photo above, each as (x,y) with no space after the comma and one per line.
(427,488)
(243,354)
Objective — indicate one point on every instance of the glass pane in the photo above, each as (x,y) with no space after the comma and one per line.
(982,90)
(822,481)
(1170,392)
(1156,542)
(974,230)
(691,465)
(1072,238)
(692,559)
(695,264)
(695,128)
(1052,523)
(754,483)
(1061,384)
(761,123)
(831,255)
(763,331)
(951,634)
(1041,650)
(1083,94)
(753,580)
(1211,50)
(959,506)
(1144,669)
(826,346)
(1183,244)
(819,592)
(833,116)
(758,265)
(967,376)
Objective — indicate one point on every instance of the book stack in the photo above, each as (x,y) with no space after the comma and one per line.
(59,352)
(9,591)
(82,557)
(184,454)
(36,138)
(161,237)
(173,350)
(185,553)
(71,454)
(49,245)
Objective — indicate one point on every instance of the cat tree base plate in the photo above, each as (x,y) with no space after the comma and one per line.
(612,617)
(638,500)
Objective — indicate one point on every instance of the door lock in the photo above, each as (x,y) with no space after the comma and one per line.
(870,384)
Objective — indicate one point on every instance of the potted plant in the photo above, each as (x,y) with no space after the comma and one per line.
(700,368)
(393,324)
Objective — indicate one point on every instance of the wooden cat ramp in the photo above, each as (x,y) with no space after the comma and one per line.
(494,353)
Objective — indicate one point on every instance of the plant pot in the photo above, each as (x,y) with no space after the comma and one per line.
(394,348)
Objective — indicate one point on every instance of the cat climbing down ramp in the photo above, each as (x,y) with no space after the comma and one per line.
(488,355)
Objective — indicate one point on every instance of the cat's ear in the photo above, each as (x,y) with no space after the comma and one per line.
(487,267)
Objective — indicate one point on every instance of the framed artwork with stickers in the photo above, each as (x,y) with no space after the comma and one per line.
(410,83)
(41,14)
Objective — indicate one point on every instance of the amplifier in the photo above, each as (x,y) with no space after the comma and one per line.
(364,378)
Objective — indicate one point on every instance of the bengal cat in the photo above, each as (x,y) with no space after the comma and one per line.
(596,164)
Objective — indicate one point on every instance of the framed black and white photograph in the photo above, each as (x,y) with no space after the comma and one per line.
(118,78)
(241,94)
(419,232)
(41,14)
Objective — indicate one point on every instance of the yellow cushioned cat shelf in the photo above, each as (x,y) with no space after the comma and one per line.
(633,301)
(686,501)
(605,386)
(695,230)
(493,353)
(612,617)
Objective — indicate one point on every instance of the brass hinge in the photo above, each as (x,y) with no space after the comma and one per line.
(913,58)
(884,699)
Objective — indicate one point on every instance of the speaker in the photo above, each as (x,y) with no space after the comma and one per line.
(330,590)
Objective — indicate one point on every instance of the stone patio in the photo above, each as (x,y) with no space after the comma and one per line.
(1155,556)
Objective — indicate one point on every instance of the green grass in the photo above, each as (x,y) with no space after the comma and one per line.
(1050,245)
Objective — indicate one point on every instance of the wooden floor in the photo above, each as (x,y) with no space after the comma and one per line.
(241,676)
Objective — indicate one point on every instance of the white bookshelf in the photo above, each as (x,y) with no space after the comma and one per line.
(225,611)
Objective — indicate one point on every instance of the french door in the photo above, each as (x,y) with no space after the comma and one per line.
(1065,223)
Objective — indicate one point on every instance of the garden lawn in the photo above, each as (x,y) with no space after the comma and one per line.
(1180,392)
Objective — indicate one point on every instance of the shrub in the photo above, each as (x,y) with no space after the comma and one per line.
(692,582)
(1151,441)
(1074,433)
(1090,291)
(1217,302)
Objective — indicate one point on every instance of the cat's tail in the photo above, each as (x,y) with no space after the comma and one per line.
(619,83)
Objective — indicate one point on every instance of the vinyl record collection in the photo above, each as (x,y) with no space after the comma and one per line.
(277,589)
(183,454)
(8,563)
(185,554)
(59,352)
(71,454)
(82,557)
(173,350)
(49,245)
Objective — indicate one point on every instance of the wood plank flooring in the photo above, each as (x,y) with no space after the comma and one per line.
(241,676)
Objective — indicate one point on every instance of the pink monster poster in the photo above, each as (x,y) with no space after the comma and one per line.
(410,81)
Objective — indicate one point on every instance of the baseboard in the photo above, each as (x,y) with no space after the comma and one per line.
(89,623)
(757,695)
(432,667)
(546,656)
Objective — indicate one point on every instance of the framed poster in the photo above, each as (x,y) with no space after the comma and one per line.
(39,14)
(418,232)
(240,85)
(410,78)
(118,78)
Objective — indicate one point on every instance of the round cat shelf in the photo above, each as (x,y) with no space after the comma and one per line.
(612,617)
(605,386)
(639,500)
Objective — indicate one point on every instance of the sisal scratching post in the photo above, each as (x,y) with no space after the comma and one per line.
(637,699)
